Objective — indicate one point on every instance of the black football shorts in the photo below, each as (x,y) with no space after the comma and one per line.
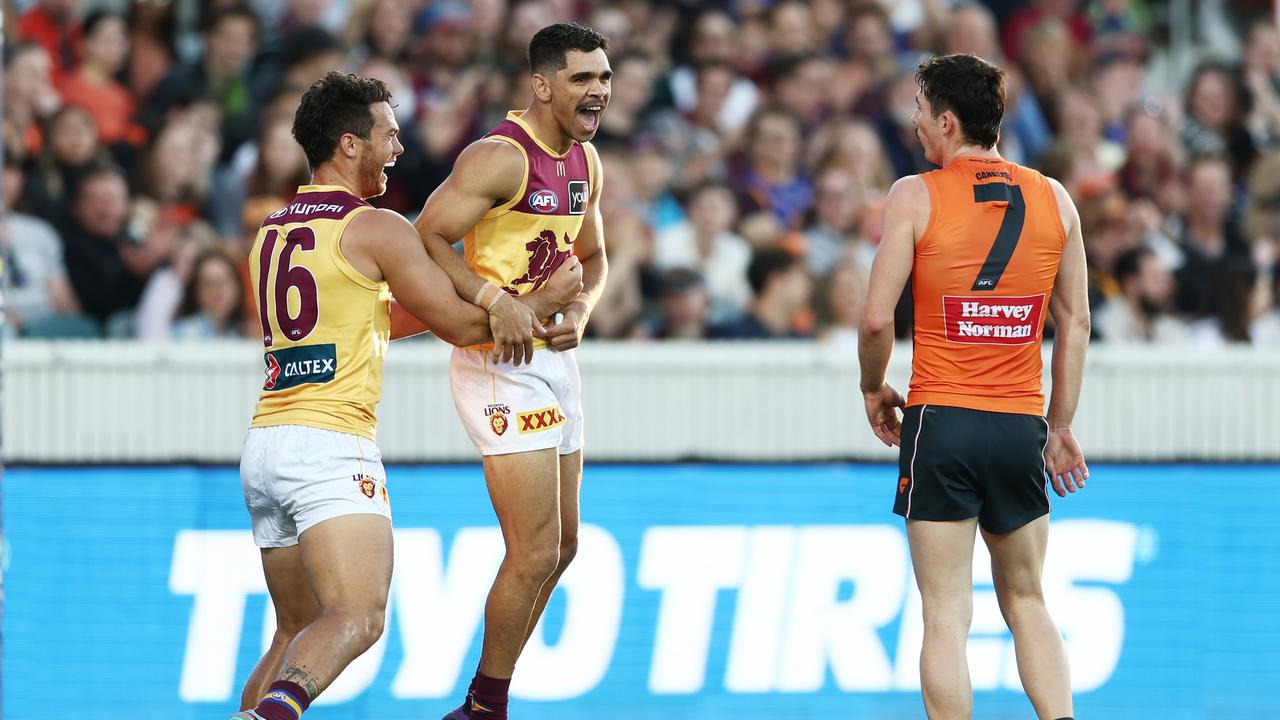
(957,463)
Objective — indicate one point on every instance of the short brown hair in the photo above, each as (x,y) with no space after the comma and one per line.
(970,87)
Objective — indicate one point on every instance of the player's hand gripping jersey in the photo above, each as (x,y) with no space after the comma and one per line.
(983,275)
(325,326)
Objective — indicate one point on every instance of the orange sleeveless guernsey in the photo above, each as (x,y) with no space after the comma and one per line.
(983,274)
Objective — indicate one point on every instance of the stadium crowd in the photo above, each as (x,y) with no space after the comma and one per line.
(747,148)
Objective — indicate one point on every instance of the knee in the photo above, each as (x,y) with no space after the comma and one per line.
(1017,600)
(948,617)
(537,561)
(364,626)
(568,551)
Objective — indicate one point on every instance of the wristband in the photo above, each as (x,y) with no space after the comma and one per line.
(479,301)
(496,297)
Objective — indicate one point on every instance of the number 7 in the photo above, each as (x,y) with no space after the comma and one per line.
(1006,237)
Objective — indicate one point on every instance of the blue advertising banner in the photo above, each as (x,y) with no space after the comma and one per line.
(700,591)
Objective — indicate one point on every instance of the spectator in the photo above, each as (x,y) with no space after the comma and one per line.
(383,30)
(178,168)
(71,153)
(652,175)
(712,43)
(1151,155)
(1215,116)
(841,299)
(706,244)
(162,297)
(107,262)
(780,293)
(869,46)
(29,98)
(632,91)
(800,86)
(1108,235)
(1020,28)
(34,275)
(213,306)
(93,85)
(897,132)
(218,75)
(1140,313)
(1212,232)
(832,232)
(279,170)
(1231,306)
(772,178)
(1047,55)
(53,25)
(791,30)
(684,306)
(152,34)
(853,146)
(1261,70)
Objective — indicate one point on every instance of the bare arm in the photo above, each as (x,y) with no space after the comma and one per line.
(563,286)
(894,259)
(487,174)
(588,247)
(382,245)
(1069,306)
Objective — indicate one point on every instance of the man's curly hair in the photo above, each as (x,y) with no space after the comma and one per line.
(333,106)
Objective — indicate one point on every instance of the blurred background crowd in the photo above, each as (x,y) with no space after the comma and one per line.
(747,149)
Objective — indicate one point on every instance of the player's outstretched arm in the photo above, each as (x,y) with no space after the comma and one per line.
(889,274)
(588,247)
(487,174)
(1064,460)
(563,286)
(386,241)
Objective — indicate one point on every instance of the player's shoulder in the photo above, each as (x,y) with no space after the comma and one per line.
(490,167)
(909,190)
(493,153)
(379,222)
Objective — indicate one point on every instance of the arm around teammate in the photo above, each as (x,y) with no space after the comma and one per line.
(487,174)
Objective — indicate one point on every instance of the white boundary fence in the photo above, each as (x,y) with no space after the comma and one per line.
(127,402)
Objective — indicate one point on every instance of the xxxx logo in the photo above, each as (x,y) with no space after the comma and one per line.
(539,420)
(902,484)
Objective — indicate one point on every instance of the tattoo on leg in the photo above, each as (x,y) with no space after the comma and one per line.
(295,674)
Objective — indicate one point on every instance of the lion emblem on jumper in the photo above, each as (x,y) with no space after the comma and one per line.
(545,256)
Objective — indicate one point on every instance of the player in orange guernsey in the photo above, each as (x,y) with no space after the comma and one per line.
(525,201)
(987,245)
(324,268)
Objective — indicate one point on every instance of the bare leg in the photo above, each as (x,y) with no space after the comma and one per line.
(570,485)
(296,607)
(348,561)
(942,554)
(1017,559)
(525,490)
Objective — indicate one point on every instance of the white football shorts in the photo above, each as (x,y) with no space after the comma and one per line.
(509,409)
(295,477)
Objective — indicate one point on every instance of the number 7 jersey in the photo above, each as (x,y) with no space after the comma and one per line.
(983,275)
(325,326)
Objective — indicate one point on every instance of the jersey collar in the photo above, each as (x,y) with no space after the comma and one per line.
(517,117)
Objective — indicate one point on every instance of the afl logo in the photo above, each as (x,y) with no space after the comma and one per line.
(544,201)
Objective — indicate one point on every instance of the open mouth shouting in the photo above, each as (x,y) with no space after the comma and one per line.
(589,116)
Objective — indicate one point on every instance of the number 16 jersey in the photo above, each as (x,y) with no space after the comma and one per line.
(983,274)
(325,326)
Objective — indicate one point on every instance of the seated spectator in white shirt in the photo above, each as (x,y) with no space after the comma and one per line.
(707,244)
(1139,314)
